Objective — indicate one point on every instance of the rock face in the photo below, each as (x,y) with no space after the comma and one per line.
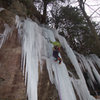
(12,85)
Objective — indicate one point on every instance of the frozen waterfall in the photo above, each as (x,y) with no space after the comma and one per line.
(35,47)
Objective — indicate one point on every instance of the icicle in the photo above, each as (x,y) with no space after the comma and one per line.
(97,75)
(96,59)
(19,25)
(84,62)
(18,22)
(5,34)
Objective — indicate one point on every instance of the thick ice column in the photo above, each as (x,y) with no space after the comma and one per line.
(31,54)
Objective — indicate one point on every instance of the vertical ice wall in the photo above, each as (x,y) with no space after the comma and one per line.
(60,77)
(35,47)
(80,84)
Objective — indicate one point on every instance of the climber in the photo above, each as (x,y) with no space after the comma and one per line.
(56,50)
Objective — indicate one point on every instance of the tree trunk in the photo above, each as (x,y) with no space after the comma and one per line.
(44,12)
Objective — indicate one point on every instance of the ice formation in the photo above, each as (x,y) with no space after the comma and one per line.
(5,34)
(36,46)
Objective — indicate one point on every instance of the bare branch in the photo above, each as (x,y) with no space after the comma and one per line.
(95,17)
(95,5)
(95,11)
(92,8)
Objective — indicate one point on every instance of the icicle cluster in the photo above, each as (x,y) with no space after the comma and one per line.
(80,84)
(36,46)
(31,53)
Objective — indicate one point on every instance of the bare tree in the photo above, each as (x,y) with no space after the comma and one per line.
(44,6)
